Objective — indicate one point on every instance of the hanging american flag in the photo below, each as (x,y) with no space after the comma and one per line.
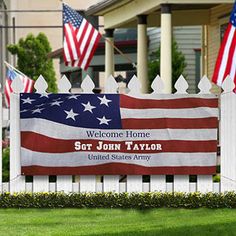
(226,61)
(71,134)
(10,76)
(80,39)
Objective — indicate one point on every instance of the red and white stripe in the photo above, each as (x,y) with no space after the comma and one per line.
(28,87)
(80,44)
(186,128)
(226,60)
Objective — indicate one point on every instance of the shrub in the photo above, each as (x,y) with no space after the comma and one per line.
(5,164)
(115,200)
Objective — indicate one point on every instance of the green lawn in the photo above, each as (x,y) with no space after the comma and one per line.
(117,222)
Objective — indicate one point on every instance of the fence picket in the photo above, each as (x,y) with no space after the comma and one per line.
(111,182)
(134,183)
(87,182)
(181,182)
(64,182)
(40,183)
(204,182)
(157,182)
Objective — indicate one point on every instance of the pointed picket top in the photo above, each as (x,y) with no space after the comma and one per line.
(40,85)
(87,85)
(181,85)
(17,85)
(157,85)
(228,85)
(111,85)
(134,85)
(204,85)
(64,85)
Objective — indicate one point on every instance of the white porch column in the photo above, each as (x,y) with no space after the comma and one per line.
(109,54)
(142,68)
(166,39)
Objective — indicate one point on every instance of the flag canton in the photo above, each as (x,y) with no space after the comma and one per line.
(11,74)
(97,111)
(71,16)
(233,16)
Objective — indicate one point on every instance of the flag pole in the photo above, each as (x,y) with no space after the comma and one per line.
(120,52)
(12,67)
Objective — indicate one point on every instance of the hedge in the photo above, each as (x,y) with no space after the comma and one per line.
(118,200)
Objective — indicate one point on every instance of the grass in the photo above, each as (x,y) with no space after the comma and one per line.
(111,222)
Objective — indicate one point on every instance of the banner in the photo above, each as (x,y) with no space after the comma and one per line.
(116,134)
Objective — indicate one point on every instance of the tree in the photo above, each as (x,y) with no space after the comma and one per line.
(32,58)
(178,64)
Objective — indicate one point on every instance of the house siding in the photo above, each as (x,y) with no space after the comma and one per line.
(188,38)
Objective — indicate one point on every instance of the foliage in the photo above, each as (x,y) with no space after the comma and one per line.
(5,164)
(115,200)
(32,58)
(178,64)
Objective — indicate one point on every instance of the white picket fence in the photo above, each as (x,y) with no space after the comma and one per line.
(132,183)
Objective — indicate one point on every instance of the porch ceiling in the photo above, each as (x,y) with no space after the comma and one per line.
(122,14)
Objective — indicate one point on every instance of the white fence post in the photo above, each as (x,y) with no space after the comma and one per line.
(41,183)
(17,181)
(228,137)
(111,182)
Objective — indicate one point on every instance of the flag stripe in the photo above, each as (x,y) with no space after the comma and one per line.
(8,91)
(87,30)
(66,53)
(88,36)
(62,146)
(170,113)
(92,40)
(87,158)
(170,123)
(117,168)
(228,64)
(233,68)
(69,34)
(220,56)
(225,56)
(57,130)
(81,34)
(175,103)
(94,47)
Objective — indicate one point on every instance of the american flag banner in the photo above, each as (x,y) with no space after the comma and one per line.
(226,60)
(80,39)
(10,76)
(106,134)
